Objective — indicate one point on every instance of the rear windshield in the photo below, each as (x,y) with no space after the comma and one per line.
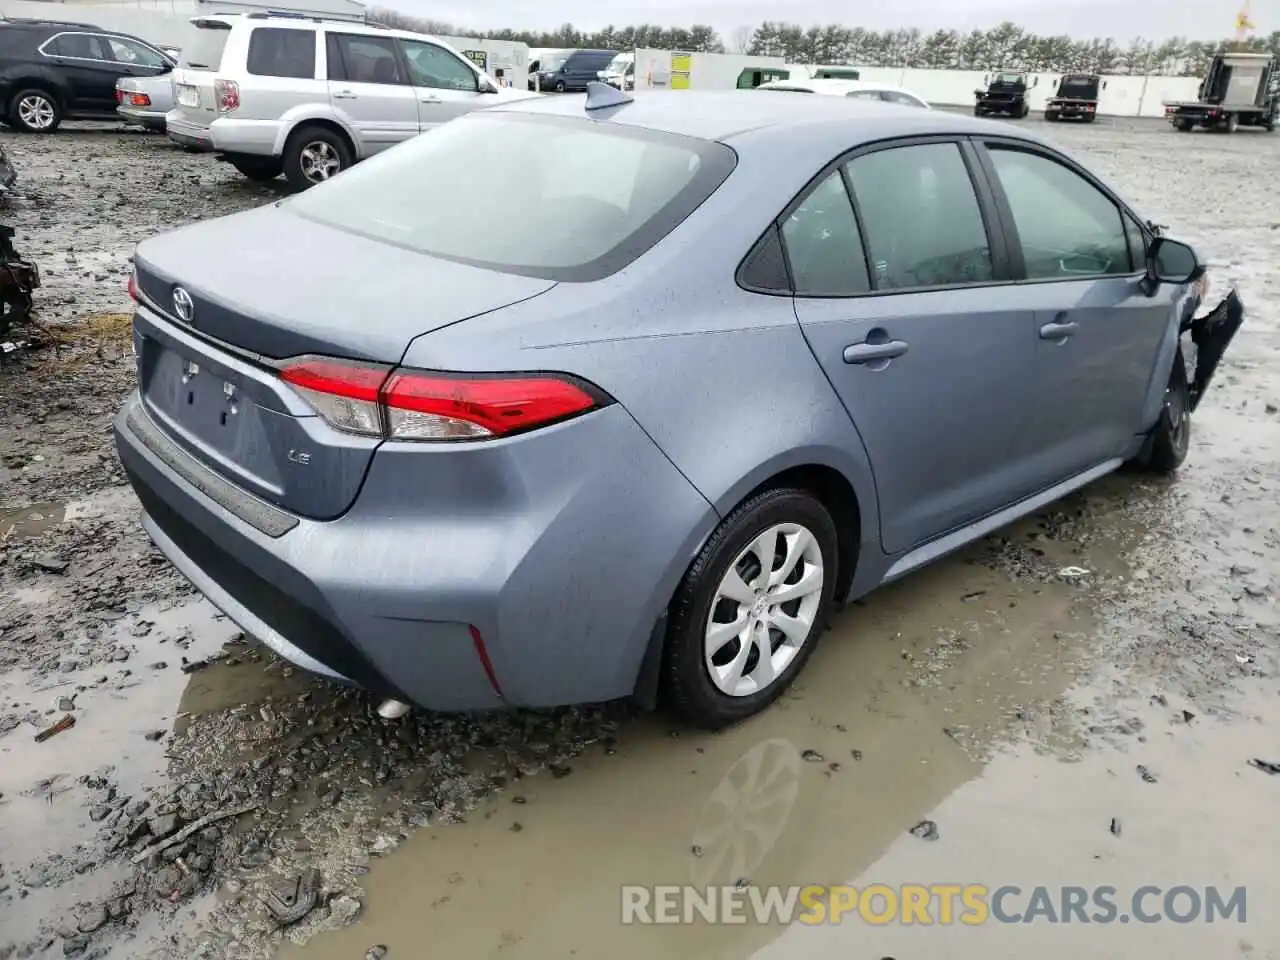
(205,51)
(551,197)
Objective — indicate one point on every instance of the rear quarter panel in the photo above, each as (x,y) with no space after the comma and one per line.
(721,379)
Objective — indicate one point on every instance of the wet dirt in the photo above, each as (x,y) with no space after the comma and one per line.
(992,694)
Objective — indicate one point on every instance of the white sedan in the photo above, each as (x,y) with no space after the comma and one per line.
(861,89)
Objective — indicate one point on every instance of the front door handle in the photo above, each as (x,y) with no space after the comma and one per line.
(871,352)
(430,99)
(1058,330)
(344,95)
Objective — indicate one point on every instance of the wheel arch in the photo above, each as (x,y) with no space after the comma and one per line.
(331,123)
(853,512)
(41,80)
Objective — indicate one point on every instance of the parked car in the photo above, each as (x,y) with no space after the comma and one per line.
(639,439)
(621,72)
(752,77)
(145,101)
(858,89)
(52,71)
(571,70)
(308,97)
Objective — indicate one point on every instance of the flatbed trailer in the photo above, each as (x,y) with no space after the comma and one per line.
(1239,89)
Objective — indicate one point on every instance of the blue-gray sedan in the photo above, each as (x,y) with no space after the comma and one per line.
(577,399)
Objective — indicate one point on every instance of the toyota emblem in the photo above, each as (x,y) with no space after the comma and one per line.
(183,305)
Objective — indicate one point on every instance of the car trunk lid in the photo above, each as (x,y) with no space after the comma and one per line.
(223,302)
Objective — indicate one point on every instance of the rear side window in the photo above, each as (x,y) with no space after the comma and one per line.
(893,96)
(280,52)
(131,52)
(358,59)
(823,243)
(82,46)
(205,51)
(591,197)
(923,225)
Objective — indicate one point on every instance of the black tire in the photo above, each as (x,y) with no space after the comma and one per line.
(1026,111)
(1051,117)
(1232,124)
(686,681)
(1171,436)
(49,106)
(306,139)
(560,87)
(1183,126)
(261,169)
(979,112)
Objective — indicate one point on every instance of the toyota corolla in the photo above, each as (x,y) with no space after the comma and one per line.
(571,400)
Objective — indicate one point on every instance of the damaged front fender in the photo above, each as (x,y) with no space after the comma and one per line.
(1210,335)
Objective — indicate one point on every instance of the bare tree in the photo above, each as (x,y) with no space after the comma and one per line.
(740,41)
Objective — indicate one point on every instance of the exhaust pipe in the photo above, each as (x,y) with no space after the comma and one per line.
(393,709)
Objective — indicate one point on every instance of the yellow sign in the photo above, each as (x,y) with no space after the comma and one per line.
(681,62)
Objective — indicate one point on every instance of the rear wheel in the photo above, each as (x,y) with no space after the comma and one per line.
(560,87)
(35,111)
(1171,437)
(313,155)
(1051,117)
(1233,123)
(750,609)
(1183,126)
(261,169)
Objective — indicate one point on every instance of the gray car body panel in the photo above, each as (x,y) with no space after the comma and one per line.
(563,547)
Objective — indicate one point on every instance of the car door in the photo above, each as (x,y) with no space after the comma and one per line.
(369,88)
(903,297)
(1098,332)
(83,61)
(445,85)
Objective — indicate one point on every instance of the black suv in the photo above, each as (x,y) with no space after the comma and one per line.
(52,71)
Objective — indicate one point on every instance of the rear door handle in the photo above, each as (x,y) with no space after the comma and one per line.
(871,352)
(1058,330)
(344,95)
(430,99)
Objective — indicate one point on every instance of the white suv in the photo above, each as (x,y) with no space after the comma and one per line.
(309,97)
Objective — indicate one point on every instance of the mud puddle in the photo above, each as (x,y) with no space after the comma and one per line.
(895,711)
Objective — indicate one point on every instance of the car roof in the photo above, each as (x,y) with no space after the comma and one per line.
(836,86)
(307,22)
(725,114)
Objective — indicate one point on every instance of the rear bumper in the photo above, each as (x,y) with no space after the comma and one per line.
(151,119)
(562,568)
(263,138)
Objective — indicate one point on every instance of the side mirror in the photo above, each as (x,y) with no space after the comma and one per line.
(1174,262)
(487,85)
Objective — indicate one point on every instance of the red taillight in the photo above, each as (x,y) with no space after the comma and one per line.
(226,94)
(139,100)
(132,286)
(375,400)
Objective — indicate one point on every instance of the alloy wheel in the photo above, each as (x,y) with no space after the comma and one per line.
(764,610)
(319,161)
(36,111)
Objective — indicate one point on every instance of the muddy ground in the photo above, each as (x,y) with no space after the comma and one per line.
(1010,703)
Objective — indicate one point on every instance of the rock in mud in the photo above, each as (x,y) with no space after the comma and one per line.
(163,826)
(343,911)
(50,564)
(1146,775)
(75,946)
(376,952)
(925,830)
(92,919)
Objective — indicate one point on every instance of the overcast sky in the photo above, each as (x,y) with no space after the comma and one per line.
(1122,19)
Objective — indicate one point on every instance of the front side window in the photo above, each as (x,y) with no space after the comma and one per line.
(923,225)
(864,94)
(432,66)
(1066,226)
(591,196)
(358,59)
(823,245)
(282,52)
(134,53)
